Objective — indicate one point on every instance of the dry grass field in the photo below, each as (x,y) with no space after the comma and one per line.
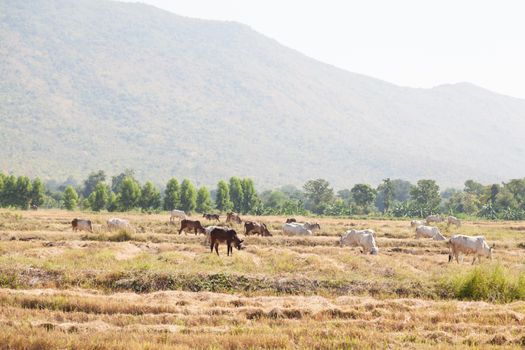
(155,289)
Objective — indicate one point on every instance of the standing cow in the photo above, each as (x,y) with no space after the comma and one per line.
(469,245)
(416,223)
(434,218)
(233,217)
(81,224)
(224,235)
(452,220)
(179,214)
(252,227)
(190,225)
(360,238)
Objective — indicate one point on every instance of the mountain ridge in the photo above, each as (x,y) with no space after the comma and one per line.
(109,85)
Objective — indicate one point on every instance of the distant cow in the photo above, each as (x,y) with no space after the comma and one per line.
(118,224)
(289,220)
(252,227)
(224,235)
(189,225)
(211,217)
(34,207)
(429,232)
(208,230)
(312,227)
(296,229)
(416,223)
(468,245)
(360,238)
(179,214)
(233,217)
(454,221)
(434,218)
(81,225)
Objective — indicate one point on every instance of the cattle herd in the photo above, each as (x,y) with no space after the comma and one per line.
(365,239)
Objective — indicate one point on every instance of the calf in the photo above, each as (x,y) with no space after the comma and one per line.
(191,225)
(211,217)
(81,224)
(256,228)
(224,235)
(233,217)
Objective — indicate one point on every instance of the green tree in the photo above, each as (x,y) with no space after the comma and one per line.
(250,199)
(188,196)
(70,198)
(9,192)
(222,201)
(92,181)
(98,199)
(204,203)
(2,182)
(363,196)
(23,192)
(37,192)
(129,196)
(150,197)
(172,195)
(319,194)
(113,202)
(426,197)
(386,193)
(473,187)
(236,194)
(116,181)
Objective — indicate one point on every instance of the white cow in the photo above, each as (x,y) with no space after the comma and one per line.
(469,245)
(360,238)
(179,214)
(208,230)
(296,229)
(117,224)
(416,223)
(312,227)
(453,220)
(434,218)
(429,232)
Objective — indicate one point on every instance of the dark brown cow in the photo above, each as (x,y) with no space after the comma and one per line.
(233,217)
(224,235)
(256,228)
(290,220)
(81,224)
(211,217)
(189,225)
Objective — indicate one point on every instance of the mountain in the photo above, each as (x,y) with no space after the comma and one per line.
(96,84)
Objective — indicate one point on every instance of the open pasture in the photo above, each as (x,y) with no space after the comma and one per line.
(154,288)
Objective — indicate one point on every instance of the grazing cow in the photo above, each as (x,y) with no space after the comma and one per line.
(429,232)
(469,245)
(296,229)
(360,238)
(117,224)
(256,228)
(233,217)
(434,218)
(416,223)
(312,227)
(453,220)
(224,235)
(81,224)
(179,214)
(189,225)
(289,220)
(211,217)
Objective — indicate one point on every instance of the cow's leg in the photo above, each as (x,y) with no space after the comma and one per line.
(180,231)
(474,260)
(212,243)
(217,248)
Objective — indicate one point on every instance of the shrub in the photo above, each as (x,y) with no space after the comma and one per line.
(491,283)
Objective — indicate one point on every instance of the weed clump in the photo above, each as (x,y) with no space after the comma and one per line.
(490,283)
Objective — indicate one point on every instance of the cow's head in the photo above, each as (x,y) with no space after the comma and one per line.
(490,250)
(374,251)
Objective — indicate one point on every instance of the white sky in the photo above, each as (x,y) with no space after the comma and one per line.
(418,43)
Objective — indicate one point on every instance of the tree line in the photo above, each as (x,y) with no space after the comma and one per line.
(391,198)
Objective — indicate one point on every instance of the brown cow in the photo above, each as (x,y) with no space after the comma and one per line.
(233,217)
(81,224)
(211,217)
(189,225)
(289,220)
(224,235)
(256,228)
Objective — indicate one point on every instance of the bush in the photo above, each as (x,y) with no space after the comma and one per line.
(490,283)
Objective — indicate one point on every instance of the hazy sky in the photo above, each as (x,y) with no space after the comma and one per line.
(418,43)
